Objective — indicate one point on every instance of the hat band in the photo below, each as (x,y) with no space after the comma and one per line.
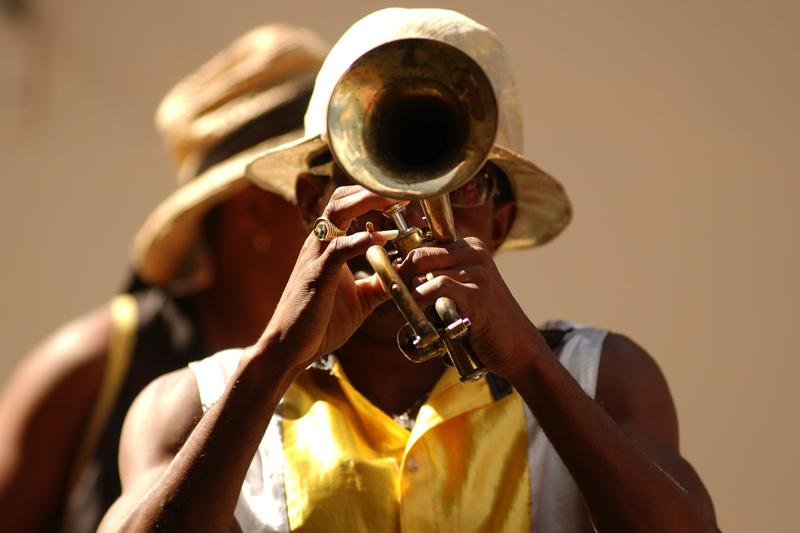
(274,122)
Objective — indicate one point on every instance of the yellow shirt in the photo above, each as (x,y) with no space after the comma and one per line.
(350,467)
(331,461)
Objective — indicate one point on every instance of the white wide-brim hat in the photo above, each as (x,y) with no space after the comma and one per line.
(262,81)
(543,208)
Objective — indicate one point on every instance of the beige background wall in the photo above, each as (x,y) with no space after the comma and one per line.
(674,126)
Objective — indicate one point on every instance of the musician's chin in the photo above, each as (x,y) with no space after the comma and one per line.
(385,320)
(383,323)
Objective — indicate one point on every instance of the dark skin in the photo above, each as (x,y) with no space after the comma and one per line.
(43,410)
(47,402)
(622,448)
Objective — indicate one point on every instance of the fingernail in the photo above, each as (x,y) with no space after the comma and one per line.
(389,234)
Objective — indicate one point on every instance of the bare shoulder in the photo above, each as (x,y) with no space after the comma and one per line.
(58,380)
(634,391)
(44,407)
(157,425)
(73,356)
(159,421)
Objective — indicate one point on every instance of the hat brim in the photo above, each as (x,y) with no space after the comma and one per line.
(168,248)
(278,168)
(543,207)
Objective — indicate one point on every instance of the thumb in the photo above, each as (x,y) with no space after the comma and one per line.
(371,293)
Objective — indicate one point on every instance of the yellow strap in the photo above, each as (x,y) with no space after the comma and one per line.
(124,318)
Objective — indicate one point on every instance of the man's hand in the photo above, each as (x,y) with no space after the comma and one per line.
(465,271)
(322,304)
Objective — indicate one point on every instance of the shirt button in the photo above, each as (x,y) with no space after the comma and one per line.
(411,464)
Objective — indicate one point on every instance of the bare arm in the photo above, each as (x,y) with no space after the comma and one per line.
(178,476)
(43,412)
(622,450)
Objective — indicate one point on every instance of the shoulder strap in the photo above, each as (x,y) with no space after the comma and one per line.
(124,320)
(500,387)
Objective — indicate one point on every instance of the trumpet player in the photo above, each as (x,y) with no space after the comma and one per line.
(324,425)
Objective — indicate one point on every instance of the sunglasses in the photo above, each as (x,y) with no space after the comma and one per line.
(477,191)
(488,183)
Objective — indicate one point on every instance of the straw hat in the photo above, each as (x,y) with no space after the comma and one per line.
(543,208)
(260,83)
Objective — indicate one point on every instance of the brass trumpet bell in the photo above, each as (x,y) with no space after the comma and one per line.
(412,119)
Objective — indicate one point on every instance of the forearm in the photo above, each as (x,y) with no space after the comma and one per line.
(199,488)
(623,488)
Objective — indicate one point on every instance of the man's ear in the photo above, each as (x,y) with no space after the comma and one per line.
(311,193)
(502,221)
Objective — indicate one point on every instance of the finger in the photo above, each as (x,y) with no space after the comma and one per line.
(336,252)
(475,274)
(352,201)
(371,293)
(434,258)
(464,294)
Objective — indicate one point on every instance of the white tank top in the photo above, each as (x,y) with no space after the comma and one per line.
(556,504)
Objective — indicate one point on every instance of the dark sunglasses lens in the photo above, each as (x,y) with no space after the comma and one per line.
(472,194)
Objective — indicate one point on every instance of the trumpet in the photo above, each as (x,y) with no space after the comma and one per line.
(414,119)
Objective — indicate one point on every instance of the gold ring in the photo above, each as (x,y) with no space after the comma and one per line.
(325,230)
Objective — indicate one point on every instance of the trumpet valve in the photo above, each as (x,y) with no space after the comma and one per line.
(458,329)
(395,213)
(408,240)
